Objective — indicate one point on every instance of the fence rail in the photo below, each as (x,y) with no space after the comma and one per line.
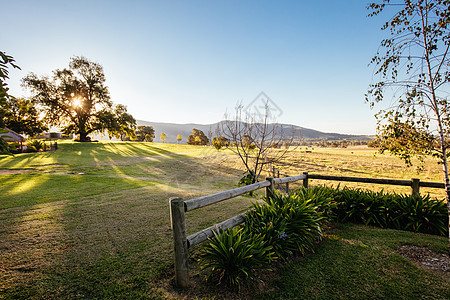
(178,208)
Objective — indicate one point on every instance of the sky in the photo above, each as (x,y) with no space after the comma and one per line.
(192,61)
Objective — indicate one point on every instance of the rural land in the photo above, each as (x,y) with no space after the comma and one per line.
(125,174)
(91,220)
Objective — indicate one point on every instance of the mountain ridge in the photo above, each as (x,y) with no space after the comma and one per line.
(173,129)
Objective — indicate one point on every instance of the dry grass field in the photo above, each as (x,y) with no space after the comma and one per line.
(360,161)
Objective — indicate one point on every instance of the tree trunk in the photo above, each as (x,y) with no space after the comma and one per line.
(445,170)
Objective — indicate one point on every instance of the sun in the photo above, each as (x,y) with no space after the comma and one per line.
(77,102)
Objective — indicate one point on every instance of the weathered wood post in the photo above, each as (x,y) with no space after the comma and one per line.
(180,242)
(270,188)
(273,171)
(305,181)
(415,186)
(287,187)
(278,174)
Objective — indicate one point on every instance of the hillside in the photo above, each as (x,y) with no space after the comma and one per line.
(172,130)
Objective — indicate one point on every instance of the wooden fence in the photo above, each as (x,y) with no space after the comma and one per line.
(178,208)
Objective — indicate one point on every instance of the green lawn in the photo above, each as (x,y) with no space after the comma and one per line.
(91,221)
(359,262)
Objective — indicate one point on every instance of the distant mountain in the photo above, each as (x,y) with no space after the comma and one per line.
(172,130)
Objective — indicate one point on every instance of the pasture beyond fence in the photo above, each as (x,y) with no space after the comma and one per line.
(178,208)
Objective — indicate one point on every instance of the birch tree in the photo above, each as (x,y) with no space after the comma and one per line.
(414,70)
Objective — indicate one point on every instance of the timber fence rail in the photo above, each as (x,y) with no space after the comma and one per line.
(178,208)
(414,183)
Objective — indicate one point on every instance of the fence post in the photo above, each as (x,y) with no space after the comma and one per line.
(270,188)
(180,242)
(415,186)
(287,187)
(305,181)
(278,174)
(273,171)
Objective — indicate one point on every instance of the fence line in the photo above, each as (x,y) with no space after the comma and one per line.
(178,208)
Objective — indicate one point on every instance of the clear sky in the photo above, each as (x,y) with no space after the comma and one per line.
(190,61)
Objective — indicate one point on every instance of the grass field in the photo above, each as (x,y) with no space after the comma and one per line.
(91,220)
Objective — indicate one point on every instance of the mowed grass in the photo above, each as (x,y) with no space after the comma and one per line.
(361,262)
(91,220)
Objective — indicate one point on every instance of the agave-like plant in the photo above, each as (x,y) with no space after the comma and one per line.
(288,223)
(233,255)
(420,214)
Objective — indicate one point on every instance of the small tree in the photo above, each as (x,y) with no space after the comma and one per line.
(415,62)
(5,62)
(197,138)
(163,137)
(146,133)
(251,136)
(23,117)
(220,141)
(179,138)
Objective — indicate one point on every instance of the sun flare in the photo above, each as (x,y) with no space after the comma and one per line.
(77,102)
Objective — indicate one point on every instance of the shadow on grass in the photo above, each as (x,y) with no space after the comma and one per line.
(99,235)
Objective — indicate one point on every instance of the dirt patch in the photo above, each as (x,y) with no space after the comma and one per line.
(51,165)
(18,171)
(436,262)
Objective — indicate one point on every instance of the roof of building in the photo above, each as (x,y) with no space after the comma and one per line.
(12,136)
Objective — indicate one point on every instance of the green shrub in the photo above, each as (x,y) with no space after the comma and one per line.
(322,197)
(248,178)
(361,206)
(287,223)
(420,214)
(35,146)
(232,256)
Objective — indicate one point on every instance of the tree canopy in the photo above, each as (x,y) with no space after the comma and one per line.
(197,137)
(145,133)
(414,69)
(6,61)
(23,117)
(163,137)
(220,141)
(77,99)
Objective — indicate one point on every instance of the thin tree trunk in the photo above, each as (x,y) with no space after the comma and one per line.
(437,111)
(445,170)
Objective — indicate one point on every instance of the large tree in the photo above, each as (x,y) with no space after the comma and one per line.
(414,68)
(77,99)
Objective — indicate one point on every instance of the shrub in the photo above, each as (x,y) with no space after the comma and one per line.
(322,197)
(35,146)
(361,206)
(232,256)
(287,223)
(248,178)
(420,214)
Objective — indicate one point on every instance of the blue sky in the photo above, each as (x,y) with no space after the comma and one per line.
(191,61)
